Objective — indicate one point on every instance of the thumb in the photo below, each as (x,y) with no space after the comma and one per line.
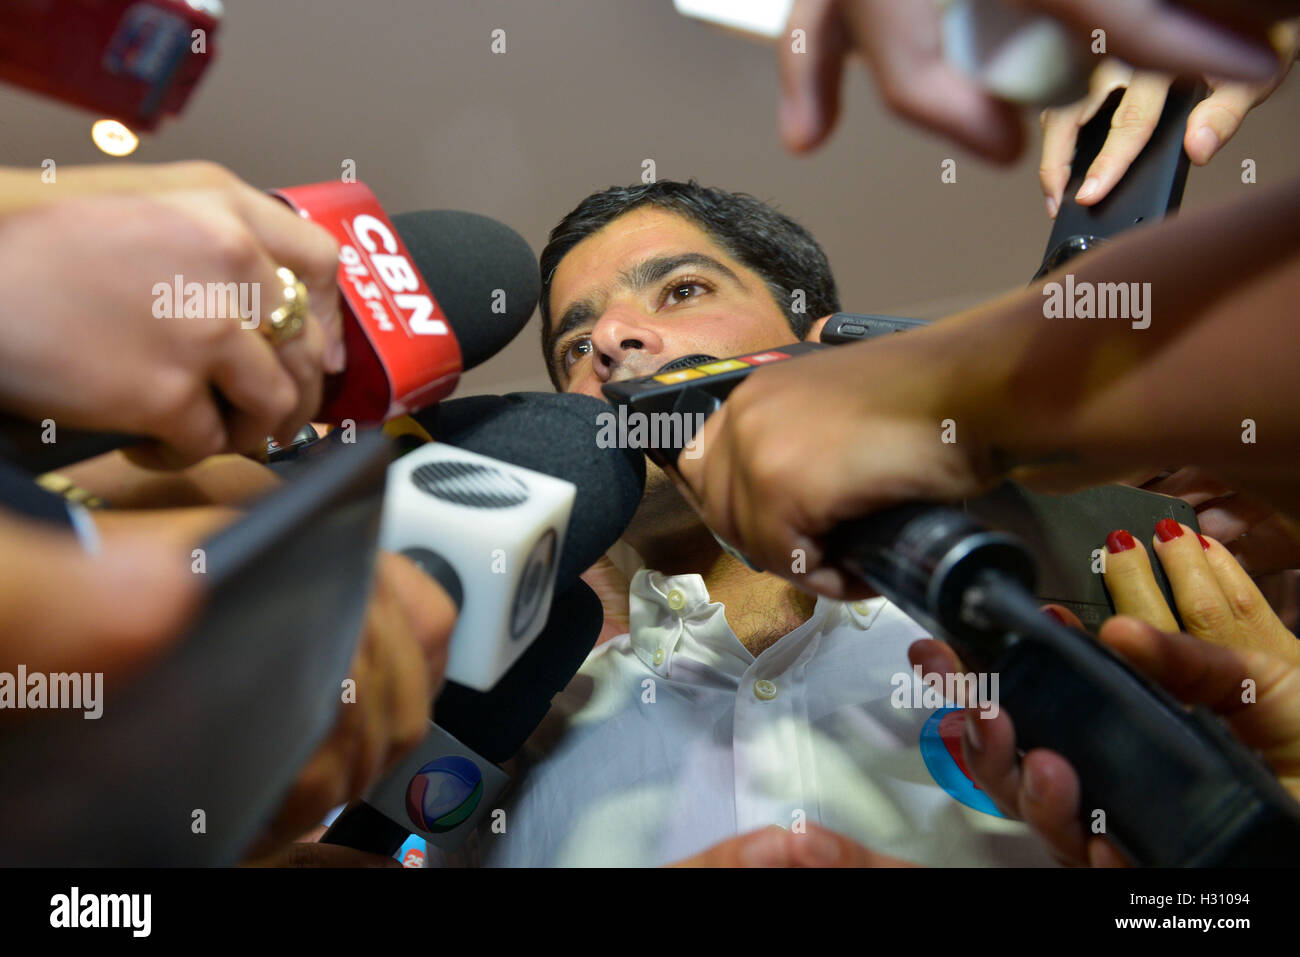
(774,846)
(1216,119)
(765,848)
(811,61)
(430,611)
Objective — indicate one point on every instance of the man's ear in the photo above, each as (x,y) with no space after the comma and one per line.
(815,330)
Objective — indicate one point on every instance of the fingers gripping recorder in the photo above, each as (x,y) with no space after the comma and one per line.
(1176,787)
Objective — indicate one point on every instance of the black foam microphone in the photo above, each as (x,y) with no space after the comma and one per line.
(509,508)
(553,434)
(482,271)
(485,278)
(556,434)
(496,723)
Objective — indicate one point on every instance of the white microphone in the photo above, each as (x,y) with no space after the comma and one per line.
(491,534)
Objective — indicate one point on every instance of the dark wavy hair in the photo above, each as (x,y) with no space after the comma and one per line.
(756,235)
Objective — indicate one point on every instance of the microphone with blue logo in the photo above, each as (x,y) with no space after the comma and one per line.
(513,502)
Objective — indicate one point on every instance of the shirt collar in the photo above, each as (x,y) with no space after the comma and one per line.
(672,615)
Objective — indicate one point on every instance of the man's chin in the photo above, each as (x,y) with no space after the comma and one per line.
(663,512)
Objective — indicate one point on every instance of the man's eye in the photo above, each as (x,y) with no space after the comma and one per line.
(576,350)
(683,291)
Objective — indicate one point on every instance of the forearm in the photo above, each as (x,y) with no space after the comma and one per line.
(179,529)
(23,188)
(218,480)
(1091,397)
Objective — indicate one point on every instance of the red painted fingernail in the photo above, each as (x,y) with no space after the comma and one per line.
(1204,544)
(1119,541)
(1167,530)
(1054,615)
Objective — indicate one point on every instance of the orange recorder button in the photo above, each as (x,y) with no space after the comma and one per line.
(723,365)
(681,375)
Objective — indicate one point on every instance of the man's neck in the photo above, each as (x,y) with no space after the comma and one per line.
(761,608)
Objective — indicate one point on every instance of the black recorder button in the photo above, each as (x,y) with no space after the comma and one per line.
(853,329)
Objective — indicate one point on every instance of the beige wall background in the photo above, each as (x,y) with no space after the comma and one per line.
(587,90)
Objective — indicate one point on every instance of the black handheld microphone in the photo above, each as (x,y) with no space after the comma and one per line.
(514,503)
(1178,789)
(552,434)
(557,434)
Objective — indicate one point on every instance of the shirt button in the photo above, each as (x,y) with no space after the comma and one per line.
(764,690)
(676,600)
(659,656)
(862,607)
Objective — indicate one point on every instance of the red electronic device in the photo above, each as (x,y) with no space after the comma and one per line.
(136,61)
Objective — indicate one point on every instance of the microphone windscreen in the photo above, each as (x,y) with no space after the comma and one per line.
(555,434)
(496,723)
(482,273)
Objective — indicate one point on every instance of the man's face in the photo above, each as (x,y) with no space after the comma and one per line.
(650,287)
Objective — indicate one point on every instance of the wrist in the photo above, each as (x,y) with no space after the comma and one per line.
(965,395)
(1016,386)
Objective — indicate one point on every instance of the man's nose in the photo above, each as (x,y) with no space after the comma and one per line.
(618,336)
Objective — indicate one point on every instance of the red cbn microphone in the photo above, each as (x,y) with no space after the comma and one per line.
(402,355)
(405,348)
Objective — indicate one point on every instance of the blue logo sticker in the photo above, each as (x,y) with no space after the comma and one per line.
(941,751)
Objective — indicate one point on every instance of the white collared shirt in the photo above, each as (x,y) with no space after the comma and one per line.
(673,738)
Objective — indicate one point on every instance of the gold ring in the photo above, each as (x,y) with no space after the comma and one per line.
(286,320)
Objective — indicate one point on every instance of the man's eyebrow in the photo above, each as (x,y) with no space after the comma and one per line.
(643,274)
(650,271)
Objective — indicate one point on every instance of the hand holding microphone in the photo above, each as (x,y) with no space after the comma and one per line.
(401,658)
(792,452)
(132,309)
(853,450)
(202,388)
(1044,790)
(398,670)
